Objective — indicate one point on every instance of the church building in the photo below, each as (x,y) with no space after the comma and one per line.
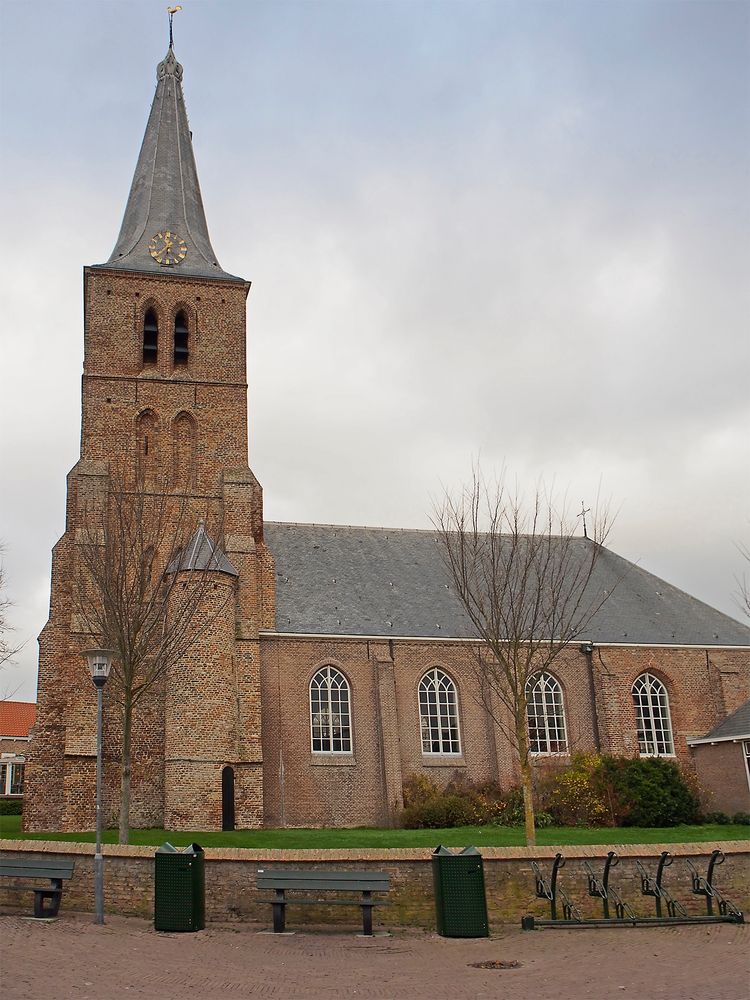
(336,661)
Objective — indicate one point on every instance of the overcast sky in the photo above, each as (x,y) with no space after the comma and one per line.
(513,230)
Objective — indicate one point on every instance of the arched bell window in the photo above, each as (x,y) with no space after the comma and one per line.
(150,338)
(180,339)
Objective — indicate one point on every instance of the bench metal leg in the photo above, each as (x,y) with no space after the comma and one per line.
(41,896)
(279,912)
(367,913)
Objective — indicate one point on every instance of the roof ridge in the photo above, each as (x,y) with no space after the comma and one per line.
(380,527)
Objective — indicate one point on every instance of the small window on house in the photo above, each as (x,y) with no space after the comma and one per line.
(545,714)
(652,717)
(330,724)
(438,713)
(150,338)
(16,779)
(180,339)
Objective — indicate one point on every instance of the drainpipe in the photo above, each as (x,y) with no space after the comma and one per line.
(587,648)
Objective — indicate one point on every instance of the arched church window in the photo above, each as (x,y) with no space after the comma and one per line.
(545,714)
(150,338)
(438,713)
(180,339)
(184,435)
(330,717)
(652,717)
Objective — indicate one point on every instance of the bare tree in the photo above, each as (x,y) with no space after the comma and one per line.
(133,551)
(526,584)
(743,582)
(7,649)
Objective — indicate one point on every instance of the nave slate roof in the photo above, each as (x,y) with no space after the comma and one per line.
(338,580)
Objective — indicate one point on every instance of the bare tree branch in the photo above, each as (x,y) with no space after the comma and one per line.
(526,584)
(743,582)
(131,596)
(8,651)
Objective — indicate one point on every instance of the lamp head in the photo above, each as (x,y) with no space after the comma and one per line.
(99,662)
(587,648)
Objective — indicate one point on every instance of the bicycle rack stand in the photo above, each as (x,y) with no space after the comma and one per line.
(548,888)
(705,887)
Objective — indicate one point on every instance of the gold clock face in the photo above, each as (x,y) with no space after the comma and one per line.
(167,248)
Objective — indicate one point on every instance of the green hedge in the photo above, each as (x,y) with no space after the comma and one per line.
(11,807)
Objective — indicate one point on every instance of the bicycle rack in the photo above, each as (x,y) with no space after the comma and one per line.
(655,888)
(600,887)
(705,887)
(547,887)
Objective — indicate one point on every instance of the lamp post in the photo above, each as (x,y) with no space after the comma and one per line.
(99,662)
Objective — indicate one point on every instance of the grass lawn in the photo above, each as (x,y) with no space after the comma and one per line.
(479,836)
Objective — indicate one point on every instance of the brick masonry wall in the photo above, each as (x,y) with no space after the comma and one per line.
(184,429)
(722,773)
(303,788)
(509,881)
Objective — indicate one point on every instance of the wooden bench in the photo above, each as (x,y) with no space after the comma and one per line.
(283,880)
(46,898)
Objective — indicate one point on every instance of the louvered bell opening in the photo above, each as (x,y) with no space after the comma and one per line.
(180,340)
(150,338)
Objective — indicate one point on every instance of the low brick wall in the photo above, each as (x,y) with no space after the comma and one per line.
(231,893)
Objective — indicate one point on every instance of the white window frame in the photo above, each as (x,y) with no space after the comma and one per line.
(440,716)
(651,704)
(544,694)
(746,755)
(10,763)
(329,714)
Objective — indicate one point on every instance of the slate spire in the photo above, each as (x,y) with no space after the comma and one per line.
(165,208)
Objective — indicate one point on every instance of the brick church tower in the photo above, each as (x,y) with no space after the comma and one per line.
(164,393)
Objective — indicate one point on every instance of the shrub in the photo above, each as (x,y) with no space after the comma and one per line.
(717,818)
(463,803)
(650,791)
(741,818)
(11,807)
(577,796)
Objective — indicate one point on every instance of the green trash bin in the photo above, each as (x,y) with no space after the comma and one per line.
(180,888)
(460,900)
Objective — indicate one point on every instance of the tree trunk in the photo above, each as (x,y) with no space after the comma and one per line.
(124,827)
(527,782)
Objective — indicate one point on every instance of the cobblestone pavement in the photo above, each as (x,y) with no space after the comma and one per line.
(73,959)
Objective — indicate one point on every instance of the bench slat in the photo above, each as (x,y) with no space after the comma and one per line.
(323,902)
(310,886)
(315,873)
(30,871)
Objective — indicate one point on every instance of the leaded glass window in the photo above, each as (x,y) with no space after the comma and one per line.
(438,713)
(545,714)
(330,721)
(652,717)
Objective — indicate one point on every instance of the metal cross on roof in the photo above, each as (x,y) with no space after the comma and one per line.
(584,511)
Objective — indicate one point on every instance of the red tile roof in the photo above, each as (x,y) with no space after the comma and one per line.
(16,717)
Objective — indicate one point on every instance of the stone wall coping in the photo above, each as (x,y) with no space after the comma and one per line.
(385,855)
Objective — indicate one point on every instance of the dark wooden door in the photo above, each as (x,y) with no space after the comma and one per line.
(227,798)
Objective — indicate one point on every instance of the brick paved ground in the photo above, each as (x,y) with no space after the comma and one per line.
(72,958)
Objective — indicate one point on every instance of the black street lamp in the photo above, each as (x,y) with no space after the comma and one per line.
(99,662)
